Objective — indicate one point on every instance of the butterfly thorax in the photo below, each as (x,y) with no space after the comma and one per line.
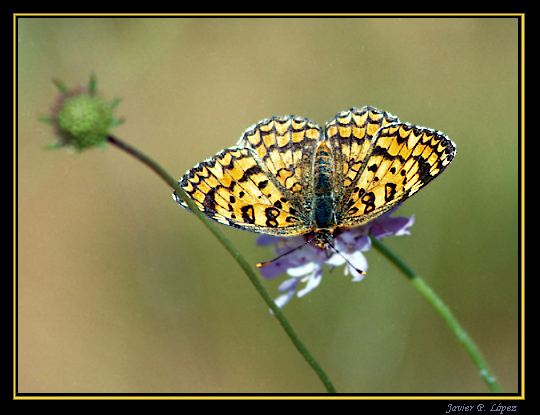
(323,217)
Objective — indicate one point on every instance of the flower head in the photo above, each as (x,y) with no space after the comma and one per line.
(304,264)
(81,118)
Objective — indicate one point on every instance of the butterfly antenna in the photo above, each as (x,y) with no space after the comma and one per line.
(346,260)
(262,264)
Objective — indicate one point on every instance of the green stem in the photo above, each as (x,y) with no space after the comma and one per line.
(236,255)
(445,313)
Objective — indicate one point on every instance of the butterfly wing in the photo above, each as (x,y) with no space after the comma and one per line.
(350,135)
(285,146)
(258,185)
(385,169)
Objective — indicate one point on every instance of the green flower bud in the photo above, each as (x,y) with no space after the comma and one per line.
(82,118)
(84,121)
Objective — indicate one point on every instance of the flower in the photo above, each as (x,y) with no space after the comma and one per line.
(81,118)
(304,262)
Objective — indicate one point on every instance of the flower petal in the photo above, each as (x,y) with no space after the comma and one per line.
(312,283)
(335,260)
(274,268)
(266,240)
(357,276)
(299,271)
(363,244)
(289,285)
(386,226)
(284,299)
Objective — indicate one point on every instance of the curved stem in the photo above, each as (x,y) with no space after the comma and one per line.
(235,254)
(452,323)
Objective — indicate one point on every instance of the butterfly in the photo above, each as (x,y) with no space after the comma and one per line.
(287,176)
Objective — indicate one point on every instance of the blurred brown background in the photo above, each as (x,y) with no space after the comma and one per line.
(121,290)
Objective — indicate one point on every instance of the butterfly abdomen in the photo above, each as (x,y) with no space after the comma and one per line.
(323,214)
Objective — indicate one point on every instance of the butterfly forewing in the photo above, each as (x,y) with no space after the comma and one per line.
(351,134)
(402,160)
(285,146)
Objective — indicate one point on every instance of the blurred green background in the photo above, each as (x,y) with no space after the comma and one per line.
(121,290)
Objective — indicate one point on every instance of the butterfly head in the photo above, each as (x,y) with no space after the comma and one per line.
(321,238)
